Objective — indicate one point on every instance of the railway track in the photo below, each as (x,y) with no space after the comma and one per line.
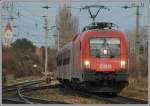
(32,101)
(111,99)
(25,83)
(127,100)
(19,98)
(117,100)
(21,85)
(12,101)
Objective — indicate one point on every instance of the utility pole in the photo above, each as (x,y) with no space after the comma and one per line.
(137,44)
(46,45)
(137,38)
(46,38)
(57,38)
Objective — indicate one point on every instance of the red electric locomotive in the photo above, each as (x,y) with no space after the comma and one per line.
(96,60)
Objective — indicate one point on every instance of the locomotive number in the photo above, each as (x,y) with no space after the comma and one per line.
(105,66)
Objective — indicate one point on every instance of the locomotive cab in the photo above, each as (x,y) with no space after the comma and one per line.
(105,55)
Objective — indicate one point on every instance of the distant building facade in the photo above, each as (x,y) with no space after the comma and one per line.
(40,53)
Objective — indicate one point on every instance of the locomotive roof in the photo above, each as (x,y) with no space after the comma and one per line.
(91,30)
(100,25)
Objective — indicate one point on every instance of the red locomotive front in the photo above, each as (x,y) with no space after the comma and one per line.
(104,51)
(104,60)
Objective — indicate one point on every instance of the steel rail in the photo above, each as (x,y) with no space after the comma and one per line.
(39,88)
(43,101)
(22,97)
(20,85)
(14,101)
(129,100)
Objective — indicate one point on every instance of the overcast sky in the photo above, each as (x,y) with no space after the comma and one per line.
(30,21)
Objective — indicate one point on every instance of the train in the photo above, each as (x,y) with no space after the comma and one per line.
(96,60)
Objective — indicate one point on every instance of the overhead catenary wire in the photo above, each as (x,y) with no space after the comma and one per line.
(25,25)
(32,17)
(37,1)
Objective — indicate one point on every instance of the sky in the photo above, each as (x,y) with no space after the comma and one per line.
(30,22)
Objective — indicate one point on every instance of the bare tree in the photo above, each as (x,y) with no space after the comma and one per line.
(67,24)
(143,51)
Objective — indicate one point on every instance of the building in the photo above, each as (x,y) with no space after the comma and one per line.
(40,53)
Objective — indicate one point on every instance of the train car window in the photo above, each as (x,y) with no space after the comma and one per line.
(66,57)
(60,60)
(105,47)
(63,58)
(57,61)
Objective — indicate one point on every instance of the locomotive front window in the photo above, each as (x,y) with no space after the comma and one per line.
(105,47)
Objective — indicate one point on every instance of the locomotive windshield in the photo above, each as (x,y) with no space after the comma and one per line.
(105,47)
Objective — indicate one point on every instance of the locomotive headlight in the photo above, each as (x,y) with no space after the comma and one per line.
(122,63)
(87,64)
(105,51)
